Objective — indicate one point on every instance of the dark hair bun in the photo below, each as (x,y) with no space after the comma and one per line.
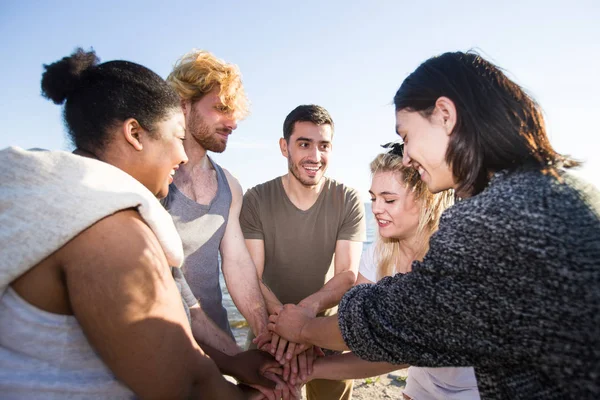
(62,77)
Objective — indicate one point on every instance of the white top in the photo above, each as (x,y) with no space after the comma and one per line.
(48,198)
(453,383)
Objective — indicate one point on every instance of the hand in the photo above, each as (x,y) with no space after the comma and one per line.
(283,390)
(252,393)
(290,322)
(250,367)
(306,363)
(264,338)
(317,354)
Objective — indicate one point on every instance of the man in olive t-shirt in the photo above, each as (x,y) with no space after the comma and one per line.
(305,233)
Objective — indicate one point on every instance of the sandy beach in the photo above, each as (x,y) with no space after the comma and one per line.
(387,386)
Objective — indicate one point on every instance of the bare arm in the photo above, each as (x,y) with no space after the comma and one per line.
(125,299)
(238,269)
(349,366)
(206,332)
(347,258)
(297,324)
(256,248)
(361,279)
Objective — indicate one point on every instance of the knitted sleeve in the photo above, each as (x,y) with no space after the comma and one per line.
(456,308)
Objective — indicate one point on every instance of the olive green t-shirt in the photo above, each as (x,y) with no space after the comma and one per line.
(300,245)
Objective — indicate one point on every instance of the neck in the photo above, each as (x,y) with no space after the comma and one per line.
(85,153)
(197,161)
(301,195)
(196,154)
(411,249)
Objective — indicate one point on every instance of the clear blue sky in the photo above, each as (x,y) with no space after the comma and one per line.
(348,56)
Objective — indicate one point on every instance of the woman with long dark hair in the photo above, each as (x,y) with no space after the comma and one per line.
(511,281)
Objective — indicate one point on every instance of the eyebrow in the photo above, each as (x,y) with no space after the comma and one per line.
(305,139)
(385,193)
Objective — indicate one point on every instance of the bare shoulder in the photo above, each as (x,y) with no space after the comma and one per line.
(234,185)
(116,243)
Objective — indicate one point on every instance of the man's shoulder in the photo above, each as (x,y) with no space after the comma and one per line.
(264,189)
(340,191)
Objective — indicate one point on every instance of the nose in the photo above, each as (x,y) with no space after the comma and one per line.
(376,207)
(406,160)
(184,158)
(231,122)
(314,154)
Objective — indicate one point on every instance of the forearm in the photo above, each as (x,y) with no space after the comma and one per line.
(323,332)
(210,384)
(224,361)
(330,294)
(272,302)
(206,332)
(349,366)
(245,291)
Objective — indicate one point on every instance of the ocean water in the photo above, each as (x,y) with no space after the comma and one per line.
(239,325)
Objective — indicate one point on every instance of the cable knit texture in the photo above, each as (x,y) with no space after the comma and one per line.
(511,286)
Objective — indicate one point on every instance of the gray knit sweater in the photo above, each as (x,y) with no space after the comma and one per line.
(510,285)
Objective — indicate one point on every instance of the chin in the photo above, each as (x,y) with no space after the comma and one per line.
(433,188)
(162,193)
(384,234)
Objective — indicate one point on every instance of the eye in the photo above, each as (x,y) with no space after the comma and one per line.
(372,199)
(389,201)
(303,144)
(325,146)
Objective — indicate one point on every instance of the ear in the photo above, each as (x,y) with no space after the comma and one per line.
(447,112)
(283,146)
(186,106)
(132,132)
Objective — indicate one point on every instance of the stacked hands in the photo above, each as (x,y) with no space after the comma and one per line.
(292,366)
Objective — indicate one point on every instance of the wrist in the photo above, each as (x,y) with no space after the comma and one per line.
(273,307)
(312,307)
(258,326)
(317,372)
(305,332)
(230,367)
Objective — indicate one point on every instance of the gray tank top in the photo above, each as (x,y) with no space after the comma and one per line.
(201,228)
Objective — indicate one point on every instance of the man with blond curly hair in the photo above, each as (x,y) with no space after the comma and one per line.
(205,200)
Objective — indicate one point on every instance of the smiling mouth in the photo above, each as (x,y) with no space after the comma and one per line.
(383,223)
(172,174)
(311,170)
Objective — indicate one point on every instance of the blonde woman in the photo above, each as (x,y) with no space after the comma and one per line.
(407,214)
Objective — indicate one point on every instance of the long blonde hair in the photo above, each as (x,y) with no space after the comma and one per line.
(387,250)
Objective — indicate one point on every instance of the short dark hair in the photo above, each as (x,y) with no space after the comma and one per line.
(306,113)
(499,126)
(98,96)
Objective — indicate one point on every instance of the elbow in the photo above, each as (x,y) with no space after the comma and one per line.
(350,278)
